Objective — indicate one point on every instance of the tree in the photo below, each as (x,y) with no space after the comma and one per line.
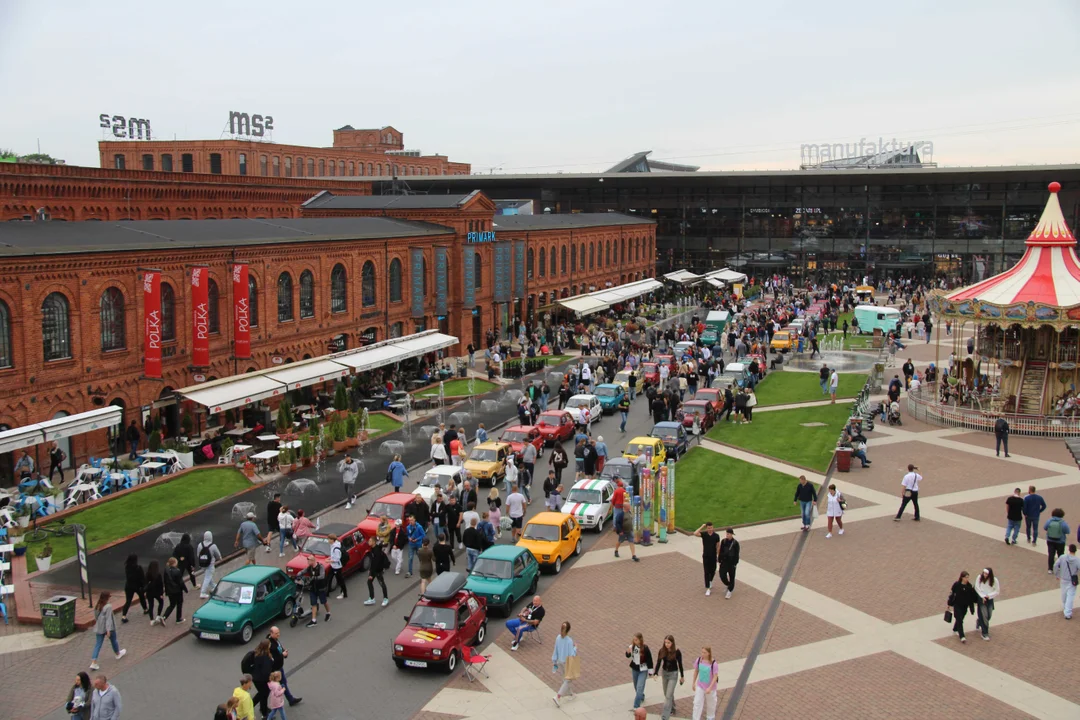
(341,397)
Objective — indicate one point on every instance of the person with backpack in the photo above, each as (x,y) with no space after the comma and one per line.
(259,663)
(134,584)
(318,593)
(377,565)
(1057,534)
(185,557)
(706,675)
(175,588)
(208,557)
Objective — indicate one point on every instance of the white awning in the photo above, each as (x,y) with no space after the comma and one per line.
(16,438)
(584,304)
(309,372)
(228,393)
(394,351)
(682,277)
(59,428)
(714,282)
(727,275)
(603,299)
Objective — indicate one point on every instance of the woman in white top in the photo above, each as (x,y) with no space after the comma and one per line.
(510,476)
(285,521)
(988,587)
(834,510)
(438,450)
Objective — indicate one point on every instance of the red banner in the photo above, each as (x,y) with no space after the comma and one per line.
(152,330)
(241,312)
(200,317)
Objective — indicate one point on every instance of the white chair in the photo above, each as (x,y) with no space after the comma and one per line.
(7,518)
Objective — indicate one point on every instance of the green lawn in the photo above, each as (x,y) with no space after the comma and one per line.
(780,388)
(137,511)
(378,421)
(710,486)
(780,434)
(458,388)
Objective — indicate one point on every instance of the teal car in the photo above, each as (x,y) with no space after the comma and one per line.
(610,396)
(504,574)
(242,601)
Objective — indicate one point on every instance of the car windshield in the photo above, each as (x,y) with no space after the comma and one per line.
(550,418)
(394,512)
(515,436)
(607,391)
(229,591)
(432,478)
(666,433)
(317,545)
(707,393)
(622,377)
(490,568)
(617,470)
(637,448)
(649,367)
(483,454)
(577,402)
(589,497)
(547,533)
(435,617)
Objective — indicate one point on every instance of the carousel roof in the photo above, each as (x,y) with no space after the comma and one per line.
(1048,273)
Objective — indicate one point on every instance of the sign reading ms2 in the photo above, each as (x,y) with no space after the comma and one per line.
(253,125)
(130,128)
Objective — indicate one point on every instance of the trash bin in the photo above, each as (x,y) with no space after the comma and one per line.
(843,459)
(58,616)
(462,368)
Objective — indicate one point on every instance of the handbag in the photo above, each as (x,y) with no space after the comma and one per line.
(948,616)
(907,493)
(572,668)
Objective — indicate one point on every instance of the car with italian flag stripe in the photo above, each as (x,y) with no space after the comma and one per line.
(590,502)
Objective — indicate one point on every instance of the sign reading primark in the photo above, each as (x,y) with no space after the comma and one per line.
(825,152)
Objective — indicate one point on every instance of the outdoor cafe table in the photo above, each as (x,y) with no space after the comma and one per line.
(89,473)
(302,408)
(238,432)
(267,438)
(266,458)
(155,456)
(153,467)
(80,493)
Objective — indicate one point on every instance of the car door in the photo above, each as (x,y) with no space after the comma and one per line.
(347,560)
(605,501)
(575,534)
(262,609)
(566,545)
(594,409)
(520,582)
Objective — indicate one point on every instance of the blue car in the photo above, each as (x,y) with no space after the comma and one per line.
(610,396)
(674,437)
(504,574)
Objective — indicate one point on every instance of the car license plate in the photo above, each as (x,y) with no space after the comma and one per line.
(209,636)
(416,663)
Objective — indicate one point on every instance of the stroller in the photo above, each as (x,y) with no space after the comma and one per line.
(894,414)
(303,588)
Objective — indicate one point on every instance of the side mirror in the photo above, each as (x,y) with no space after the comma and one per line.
(406,618)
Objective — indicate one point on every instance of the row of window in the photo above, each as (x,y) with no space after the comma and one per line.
(600,253)
(274,164)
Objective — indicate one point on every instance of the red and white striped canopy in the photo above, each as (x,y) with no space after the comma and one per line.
(1049,272)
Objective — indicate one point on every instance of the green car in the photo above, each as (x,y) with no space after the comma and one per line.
(504,574)
(243,600)
(610,395)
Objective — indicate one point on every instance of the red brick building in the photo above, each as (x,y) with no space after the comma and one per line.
(70,192)
(355,153)
(352,270)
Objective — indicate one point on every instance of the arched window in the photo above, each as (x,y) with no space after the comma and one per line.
(573,258)
(307,295)
(529,264)
(112,320)
(168,313)
(581,257)
(370,168)
(380,169)
(367,284)
(214,301)
(341,168)
(284,297)
(543,261)
(339,288)
(478,272)
(592,256)
(395,280)
(396,330)
(299,167)
(622,252)
(322,167)
(607,252)
(352,169)
(253,302)
(5,336)
(563,259)
(554,266)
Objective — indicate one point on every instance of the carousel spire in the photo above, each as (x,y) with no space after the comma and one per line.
(1052,229)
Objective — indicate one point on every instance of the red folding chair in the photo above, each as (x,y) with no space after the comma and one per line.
(474,662)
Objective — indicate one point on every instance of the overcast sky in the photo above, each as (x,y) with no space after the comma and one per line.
(548,86)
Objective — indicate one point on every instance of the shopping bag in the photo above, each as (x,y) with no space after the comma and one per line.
(814,512)
(573,668)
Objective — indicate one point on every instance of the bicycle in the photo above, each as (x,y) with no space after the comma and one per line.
(37,534)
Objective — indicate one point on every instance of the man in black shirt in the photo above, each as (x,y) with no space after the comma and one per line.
(710,540)
(1014,513)
(419,510)
(729,558)
(527,621)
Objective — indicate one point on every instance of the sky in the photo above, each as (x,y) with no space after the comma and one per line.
(557,86)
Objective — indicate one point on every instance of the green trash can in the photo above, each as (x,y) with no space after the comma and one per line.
(58,616)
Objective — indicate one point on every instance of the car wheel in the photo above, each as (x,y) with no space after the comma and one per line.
(451,663)
(532,588)
(246,633)
(577,548)
(400,663)
(329,582)
(509,605)
(558,565)
(287,607)
(365,563)
(600,525)
(481,634)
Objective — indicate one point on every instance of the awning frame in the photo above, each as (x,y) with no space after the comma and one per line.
(61,427)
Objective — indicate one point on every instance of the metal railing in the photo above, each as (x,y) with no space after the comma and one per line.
(924,407)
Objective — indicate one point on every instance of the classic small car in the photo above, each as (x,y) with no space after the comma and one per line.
(552,537)
(503,574)
(242,601)
(518,435)
(673,436)
(714,396)
(620,468)
(704,410)
(391,505)
(644,444)
(590,502)
(354,550)
(487,461)
(555,426)
(447,617)
(577,404)
(439,477)
(610,394)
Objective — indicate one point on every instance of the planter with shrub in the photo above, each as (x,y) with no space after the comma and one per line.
(351,428)
(338,429)
(44,557)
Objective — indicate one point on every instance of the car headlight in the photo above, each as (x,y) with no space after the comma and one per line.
(494,597)
(399,648)
(228,625)
(195,622)
(437,653)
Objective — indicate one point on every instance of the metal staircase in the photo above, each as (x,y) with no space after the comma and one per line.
(1031,388)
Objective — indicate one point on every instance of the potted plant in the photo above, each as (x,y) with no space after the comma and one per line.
(20,547)
(284,418)
(351,428)
(313,428)
(326,435)
(306,450)
(44,557)
(187,424)
(155,441)
(338,429)
(23,517)
(288,459)
(341,400)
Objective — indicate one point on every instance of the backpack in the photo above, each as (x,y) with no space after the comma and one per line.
(204,555)
(247,665)
(1054,530)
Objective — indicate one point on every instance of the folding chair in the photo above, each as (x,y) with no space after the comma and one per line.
(535,632)
(474,662)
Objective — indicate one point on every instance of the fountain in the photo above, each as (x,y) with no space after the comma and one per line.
(512,397)
(428,430)
(301,486)
(167,542)
(555,380)
(407,427)
(489,406)
(460,418)
(390,448)
(472,393)
(241,509)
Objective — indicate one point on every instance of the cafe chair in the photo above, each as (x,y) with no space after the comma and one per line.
(474,662)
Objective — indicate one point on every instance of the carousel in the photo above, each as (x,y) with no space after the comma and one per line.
(1015,338)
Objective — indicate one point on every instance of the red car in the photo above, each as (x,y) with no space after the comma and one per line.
(714,396)
(705,412)
(445,618)
(670,360)
(392,505)
(518,435)
(354,550)
(651,373)
(555,425)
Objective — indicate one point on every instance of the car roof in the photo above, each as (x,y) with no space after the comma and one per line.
(612,461)
(582,395)
(492,445)
(643,439)
(548,518)
(588,484)
(251,574)
(522,428)
(338,529)
(554,411)
(697,402)
(503,552)
(396,498)
(445,586)
(610,385)
(445,470)
(707,390)
(666,424)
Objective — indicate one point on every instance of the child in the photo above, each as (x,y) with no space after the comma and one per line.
(554,501)
(277,697)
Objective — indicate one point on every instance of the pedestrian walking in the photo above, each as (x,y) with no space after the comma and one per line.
(528,458)
(823,378)
(805,498)
(438,452)
(834,382)
(443,553)
(349,472)
(564,658)
(669,668)
(399,538)
(474,543)
(56,461)
(601,449)
(626,535)
(494,503)
(515,508)
(286,521)
(175,589)
(427,565)
(1014,513)
(134,584)
(279,654)
(104,624)
(338,559)
(962,599)
(318,593)
(417,534)
(1057,534)
(559,460)
(1067,570)
(377,565)
(706,676)
(834,510)
(910,493)
(729,558)
(1034,505)
(987,587)
(618,502)
(208,556)
(185,558)
(249,537)
(273,511)
(133,436)
(1001,436)
(260,664)
(510,476)
(155,591)
(105,701)
(245,707)
(78,702)
(624,412)
(276,701)
(710,543)
(641,666)
(396,473)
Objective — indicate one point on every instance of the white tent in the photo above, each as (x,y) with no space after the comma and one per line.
(683,277)
(727,275)
(714,282)
(59,428)
(603,299)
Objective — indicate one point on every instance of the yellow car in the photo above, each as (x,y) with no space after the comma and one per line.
(783,341)
(487,462)
(623,378)
(552,537)
(644,444)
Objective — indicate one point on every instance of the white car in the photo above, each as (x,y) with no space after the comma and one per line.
(440,477)
(590,502)
(734,374)
(577,403)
